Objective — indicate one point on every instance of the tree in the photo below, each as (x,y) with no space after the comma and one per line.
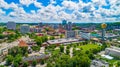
(15,64)
(68,47)
(67,51)
(87,52)
(61,48)
(35,48)
(52,38)
(91,56)
(34,63)
(9,59)
(1,65)
(49,64)
(25,64)
(42,61)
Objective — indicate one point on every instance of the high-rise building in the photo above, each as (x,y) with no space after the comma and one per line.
(11,25)
(24,29)
(69,26)
(64,24)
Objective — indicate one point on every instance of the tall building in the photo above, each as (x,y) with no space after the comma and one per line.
(64,24)
(69,26)
(11,25)
(24,29)
(103,26)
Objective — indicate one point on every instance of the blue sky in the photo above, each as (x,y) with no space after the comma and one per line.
(57,10)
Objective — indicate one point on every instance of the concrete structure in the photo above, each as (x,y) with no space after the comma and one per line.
(11,25)
(103,26)
(35,57)
(70,34)
(24,29)
(113,51)
(63,41)
(85,35)
(99,63)
(117,31)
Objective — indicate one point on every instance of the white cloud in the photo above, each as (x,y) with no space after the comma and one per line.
(52,2)
(3,4)
(2,12)
(70,5)
(13,6)
(99,2)
(58,13)
(38,4)
(27,2)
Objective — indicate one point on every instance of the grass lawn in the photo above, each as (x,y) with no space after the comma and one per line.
(88,47)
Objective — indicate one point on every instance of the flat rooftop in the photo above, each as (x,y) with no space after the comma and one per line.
(64,40)
(114,49)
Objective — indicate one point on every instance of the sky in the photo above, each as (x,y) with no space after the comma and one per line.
(57,10)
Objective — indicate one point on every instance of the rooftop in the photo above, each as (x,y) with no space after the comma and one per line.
(64,40)
(22,43)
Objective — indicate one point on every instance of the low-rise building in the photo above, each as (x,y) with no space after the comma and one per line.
(63,41)
(113,51)
(70,34)
(85,35)
(24,29)
(35,57)
(99,63)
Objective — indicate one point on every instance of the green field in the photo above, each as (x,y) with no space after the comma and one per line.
(88,47)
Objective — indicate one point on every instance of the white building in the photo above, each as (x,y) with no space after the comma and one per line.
(85,35)
(11,25)
(99,63)
(114,51)
(24,29)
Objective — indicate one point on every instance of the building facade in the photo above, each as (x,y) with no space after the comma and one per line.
(70,34)
(113,51)
(85,35)
(11,25)
(24,29)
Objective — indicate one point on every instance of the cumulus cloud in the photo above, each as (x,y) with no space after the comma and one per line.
(27,2)
(3,4)
(38,4)
(2,12)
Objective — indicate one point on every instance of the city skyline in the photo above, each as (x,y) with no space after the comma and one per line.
(29,11)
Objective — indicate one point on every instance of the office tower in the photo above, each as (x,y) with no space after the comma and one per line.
(64,24)
(24,29)
(11,25)
(69,26)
